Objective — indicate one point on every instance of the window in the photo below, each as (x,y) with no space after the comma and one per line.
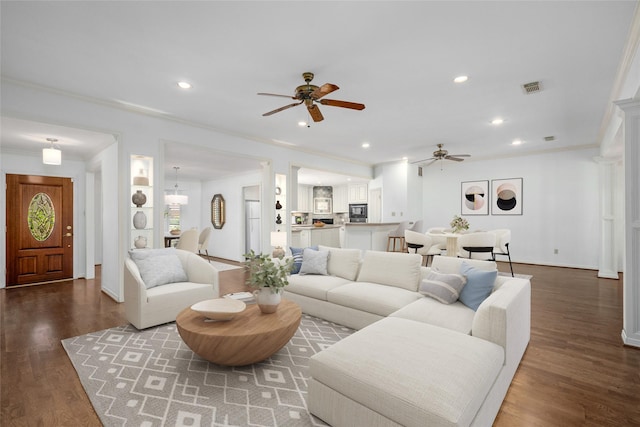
(174,217)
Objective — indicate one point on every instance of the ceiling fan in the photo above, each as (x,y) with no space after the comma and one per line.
(310,95)
(441,154)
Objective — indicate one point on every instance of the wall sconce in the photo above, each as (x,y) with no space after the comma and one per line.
(51,155)
(278,240)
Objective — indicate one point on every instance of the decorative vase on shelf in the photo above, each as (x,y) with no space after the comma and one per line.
(278,205)
(278,219)
(139,198)
(139,220)
(268,299)
(140,242)
(141,179)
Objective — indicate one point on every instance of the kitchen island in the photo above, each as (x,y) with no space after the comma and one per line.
(303,236)
(367,235)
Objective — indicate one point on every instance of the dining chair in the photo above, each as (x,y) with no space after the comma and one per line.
(437,237)
(501,247)
(417,226)
(188,241)
(203,242)
(476,245)
(422,244)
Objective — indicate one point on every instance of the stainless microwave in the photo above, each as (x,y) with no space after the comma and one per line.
(357,211)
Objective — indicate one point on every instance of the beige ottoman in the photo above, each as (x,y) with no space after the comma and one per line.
(403,372)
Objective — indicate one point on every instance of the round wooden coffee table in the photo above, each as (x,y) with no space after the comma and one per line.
(248,338)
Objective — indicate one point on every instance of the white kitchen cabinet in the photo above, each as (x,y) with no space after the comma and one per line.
(305,198)
(340,199)
(358,193)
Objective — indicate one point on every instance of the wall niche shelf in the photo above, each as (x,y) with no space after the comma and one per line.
(141,202)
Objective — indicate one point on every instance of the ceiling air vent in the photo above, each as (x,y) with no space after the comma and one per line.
(549,138)
(532,87)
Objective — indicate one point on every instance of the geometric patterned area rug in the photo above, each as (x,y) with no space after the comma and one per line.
(151,378)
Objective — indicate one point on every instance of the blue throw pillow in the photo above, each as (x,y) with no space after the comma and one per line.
(479,285)
(297,258)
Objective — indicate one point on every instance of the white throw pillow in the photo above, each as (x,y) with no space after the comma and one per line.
(342,262)
(392,269)
(314,262)
(158,266)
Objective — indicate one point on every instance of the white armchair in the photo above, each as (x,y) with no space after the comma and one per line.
(145,307)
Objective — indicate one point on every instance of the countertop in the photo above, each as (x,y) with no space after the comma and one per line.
(370,224)
(313,227)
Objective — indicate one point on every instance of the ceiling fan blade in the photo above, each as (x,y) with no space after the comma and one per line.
(315,113)
(455,159)
(343,104)
(433,159)
(282,108)
(275,94)
(460,155)
(323,90)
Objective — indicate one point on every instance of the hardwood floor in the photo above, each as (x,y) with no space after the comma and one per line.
(575,372)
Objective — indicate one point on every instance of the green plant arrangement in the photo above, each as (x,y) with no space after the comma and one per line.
(459,224)
(265,273)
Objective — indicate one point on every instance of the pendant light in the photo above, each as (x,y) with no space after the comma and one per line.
(175,198)
(51,155)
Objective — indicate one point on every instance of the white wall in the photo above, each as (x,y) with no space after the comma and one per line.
(560,204)
(228,242)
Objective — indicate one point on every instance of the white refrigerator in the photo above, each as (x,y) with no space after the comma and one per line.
(252,226)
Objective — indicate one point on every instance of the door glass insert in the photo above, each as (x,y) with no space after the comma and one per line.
(41,217)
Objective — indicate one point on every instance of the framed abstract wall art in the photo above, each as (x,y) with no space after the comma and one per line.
(506,195)
(475,198)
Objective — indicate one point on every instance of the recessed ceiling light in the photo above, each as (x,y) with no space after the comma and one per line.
(405,158)
(516,142)
(301,123)
(497,121)
(184,85)
(461,79)
(366,145)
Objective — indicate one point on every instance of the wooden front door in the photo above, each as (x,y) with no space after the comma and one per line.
(39,229)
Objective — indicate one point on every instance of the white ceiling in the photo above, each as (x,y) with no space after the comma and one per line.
(398,58)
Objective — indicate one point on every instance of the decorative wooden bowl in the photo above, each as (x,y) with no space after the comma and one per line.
(219,308)
(318,224)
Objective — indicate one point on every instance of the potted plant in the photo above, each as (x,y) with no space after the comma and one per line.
(268,277)
(459,224)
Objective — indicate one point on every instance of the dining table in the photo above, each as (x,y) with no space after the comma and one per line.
(169,238)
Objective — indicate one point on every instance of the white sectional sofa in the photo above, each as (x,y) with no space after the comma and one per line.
(414,361)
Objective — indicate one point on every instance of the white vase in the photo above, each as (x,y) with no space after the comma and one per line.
(140,242)
(139,220)
(267,299)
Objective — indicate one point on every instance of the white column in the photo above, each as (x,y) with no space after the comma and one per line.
(608,259)
(631,283)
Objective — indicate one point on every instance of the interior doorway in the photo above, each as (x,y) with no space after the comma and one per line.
(39,216)
(252,219)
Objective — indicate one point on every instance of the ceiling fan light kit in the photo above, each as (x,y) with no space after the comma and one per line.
(310,95)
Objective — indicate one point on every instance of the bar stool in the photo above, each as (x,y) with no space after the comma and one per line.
(396,236)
